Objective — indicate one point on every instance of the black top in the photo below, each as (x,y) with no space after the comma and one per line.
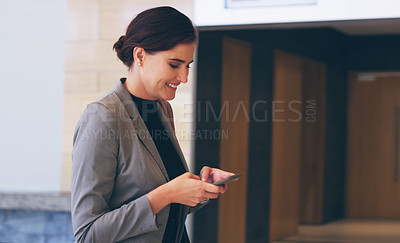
(172,162)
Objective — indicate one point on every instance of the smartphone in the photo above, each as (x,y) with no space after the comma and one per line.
(227,179)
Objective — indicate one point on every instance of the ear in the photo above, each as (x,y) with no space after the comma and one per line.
(138,54)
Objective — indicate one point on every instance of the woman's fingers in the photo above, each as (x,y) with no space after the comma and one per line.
(207,191)
(190,190)
(212,188)
(224,188)
(205,173)
(220,174)
(212,195)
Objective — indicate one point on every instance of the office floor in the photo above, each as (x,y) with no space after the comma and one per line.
(23,226)
(38,226)
(349,231)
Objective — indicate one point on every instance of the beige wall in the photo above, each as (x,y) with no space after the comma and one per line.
(92,68)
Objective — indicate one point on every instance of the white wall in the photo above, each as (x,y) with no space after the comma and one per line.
(213,12)
(31,74)
(371,9)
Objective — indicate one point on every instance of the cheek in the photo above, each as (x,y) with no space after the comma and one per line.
(160,74)
(163,75)
(153,75)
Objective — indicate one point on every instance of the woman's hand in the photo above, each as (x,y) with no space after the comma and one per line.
(212,175)
(186,189)
(189,190)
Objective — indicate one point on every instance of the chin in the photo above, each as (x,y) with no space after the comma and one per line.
(169,96)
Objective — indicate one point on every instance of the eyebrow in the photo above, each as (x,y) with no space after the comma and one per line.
(179,60)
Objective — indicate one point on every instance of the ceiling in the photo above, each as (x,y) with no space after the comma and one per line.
(349,27)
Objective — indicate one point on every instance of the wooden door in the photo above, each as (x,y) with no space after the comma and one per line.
(373,187)
(235,117)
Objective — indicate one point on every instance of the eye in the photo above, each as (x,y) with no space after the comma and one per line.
(174,66)
(189,66)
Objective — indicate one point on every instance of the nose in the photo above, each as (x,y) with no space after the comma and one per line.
(183,75)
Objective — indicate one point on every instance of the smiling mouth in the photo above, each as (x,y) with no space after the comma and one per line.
(172,86)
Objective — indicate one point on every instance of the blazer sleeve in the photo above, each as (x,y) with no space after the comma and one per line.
(94,167)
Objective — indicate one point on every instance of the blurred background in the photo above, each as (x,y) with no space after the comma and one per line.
(300,96)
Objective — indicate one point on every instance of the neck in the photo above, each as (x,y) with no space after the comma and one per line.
(134,85)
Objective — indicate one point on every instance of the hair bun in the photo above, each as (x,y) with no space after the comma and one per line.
(118,47)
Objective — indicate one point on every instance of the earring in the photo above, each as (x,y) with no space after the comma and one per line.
(139,64)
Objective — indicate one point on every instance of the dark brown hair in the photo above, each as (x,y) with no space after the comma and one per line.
(156,29)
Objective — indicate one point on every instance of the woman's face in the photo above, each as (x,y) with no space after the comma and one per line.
(161,73)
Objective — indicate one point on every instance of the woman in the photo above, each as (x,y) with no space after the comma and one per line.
(129,177)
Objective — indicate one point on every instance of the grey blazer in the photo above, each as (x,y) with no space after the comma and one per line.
(115,164)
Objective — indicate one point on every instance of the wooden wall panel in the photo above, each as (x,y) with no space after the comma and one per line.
(286,149)
(234,147)
(298,144)
(313,142)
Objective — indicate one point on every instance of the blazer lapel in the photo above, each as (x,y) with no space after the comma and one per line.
(139,125)
(171,133)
